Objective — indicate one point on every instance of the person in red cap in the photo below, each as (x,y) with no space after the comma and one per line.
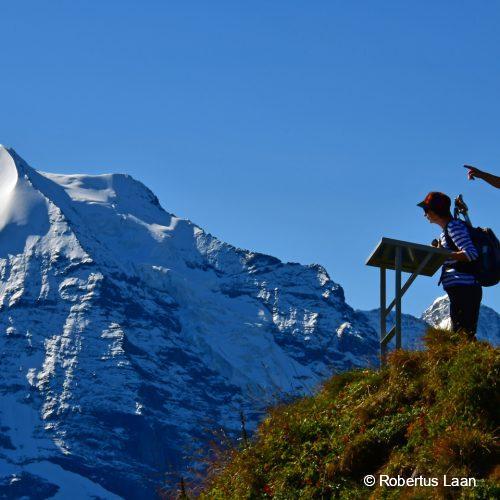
(458,272)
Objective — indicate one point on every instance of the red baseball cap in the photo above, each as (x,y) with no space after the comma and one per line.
(437,202)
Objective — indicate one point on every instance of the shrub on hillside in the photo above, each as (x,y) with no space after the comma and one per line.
(426,414)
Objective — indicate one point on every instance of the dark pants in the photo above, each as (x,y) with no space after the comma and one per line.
(464,308)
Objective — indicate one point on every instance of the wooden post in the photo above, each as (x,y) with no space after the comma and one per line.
(398,297)
(383,314)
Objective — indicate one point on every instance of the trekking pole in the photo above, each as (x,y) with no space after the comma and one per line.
(461,209)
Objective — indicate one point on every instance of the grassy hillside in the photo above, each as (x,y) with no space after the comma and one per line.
(426,415)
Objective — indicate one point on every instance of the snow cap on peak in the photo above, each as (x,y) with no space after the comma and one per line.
(9,173)
(10,154)
(23,209)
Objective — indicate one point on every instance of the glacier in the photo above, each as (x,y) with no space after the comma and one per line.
(128,335)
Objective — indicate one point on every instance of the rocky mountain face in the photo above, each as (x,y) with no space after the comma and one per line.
(127,333)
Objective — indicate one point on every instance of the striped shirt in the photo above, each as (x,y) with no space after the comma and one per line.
(459,234)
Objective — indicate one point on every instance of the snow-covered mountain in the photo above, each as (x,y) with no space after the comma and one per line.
(127,334)
(488,327)
(437,315)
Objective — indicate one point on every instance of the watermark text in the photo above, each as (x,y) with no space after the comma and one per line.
(419,481)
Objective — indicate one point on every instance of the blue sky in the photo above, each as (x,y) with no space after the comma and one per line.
(306,130)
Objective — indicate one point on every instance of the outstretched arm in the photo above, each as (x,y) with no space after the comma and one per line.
(474,172)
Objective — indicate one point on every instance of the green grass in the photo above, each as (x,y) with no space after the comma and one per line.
(426,414)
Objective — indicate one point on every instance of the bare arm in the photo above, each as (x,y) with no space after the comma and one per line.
(474,172)
(460,256)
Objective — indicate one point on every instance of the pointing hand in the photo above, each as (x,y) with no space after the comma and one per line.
(473,172)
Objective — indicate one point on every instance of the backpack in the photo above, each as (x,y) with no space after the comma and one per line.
(486,268)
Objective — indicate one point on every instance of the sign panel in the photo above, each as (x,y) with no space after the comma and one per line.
(412,255)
